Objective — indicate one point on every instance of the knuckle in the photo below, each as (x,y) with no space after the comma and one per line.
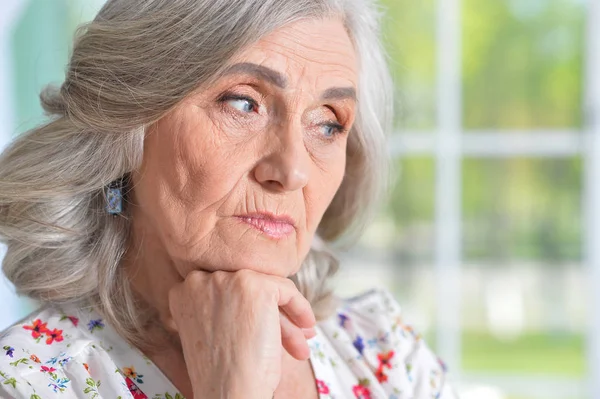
(219,276)
(193,278)
(289,284)
(244,279)
(220,280)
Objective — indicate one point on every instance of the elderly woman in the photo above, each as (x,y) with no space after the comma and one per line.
(174,214)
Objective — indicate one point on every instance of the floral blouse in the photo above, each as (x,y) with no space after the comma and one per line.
(364,351)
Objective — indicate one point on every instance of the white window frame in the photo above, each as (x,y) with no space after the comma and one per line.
(450,143)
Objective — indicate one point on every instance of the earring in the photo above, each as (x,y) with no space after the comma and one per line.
(114,197)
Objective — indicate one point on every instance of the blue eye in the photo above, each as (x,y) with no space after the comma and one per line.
(331,129)
(242,104)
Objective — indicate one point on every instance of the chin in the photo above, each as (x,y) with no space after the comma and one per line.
(235,246)
(249,248)
(262,257)
(272,261)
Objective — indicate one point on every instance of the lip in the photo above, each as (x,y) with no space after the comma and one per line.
(273,226)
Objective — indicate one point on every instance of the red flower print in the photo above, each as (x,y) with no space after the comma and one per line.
(46,369)
(130,372)
(54,335)
(322,387)
(361,392)
(73,319)
(35,358)
(87,368)
(136,392)
(385,359)
(381,376)
(37,328)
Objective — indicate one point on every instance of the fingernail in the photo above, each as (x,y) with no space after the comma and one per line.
(309,332)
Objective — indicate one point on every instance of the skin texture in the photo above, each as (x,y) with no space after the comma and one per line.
(252,141)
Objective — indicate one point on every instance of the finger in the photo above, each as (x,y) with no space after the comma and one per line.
(292,339)
(179,296)
(309,333)
(295,305)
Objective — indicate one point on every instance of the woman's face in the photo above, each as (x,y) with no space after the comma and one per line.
(239,175)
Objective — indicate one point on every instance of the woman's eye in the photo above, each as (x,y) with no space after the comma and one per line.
(331,129)
(245,105)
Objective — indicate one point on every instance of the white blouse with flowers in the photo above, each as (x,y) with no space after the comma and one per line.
(364,351)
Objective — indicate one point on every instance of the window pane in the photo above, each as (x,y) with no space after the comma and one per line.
(528,209)
(523,301)
(409,37)
(396,251)
(522,63)
(410,208)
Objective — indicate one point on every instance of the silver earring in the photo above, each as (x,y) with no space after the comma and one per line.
(114,197)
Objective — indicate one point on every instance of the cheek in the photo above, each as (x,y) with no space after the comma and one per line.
(186,172)
(202,171)
(324,187)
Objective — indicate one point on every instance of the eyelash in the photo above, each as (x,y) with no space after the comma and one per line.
(230,96)
(338,128)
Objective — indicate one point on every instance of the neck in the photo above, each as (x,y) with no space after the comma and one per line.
(149,269)
(151,275)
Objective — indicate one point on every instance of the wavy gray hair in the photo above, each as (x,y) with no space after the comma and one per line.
(130,66)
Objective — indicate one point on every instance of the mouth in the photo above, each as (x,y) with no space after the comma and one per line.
(273,226)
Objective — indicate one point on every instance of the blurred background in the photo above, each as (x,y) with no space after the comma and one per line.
(488,236)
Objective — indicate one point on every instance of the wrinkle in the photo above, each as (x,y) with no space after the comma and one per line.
(199,168)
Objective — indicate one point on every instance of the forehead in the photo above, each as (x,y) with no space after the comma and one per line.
(316,50)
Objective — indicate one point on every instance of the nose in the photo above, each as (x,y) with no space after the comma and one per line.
(285,167)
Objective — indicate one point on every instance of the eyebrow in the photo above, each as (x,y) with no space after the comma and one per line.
(259,71)
(339,93)
(279,80)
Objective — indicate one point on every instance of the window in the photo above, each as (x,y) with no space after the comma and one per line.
(489,238)
(490,230)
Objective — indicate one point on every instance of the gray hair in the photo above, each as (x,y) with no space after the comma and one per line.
(130,66)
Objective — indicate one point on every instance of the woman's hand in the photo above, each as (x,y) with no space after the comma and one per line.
(233,327)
